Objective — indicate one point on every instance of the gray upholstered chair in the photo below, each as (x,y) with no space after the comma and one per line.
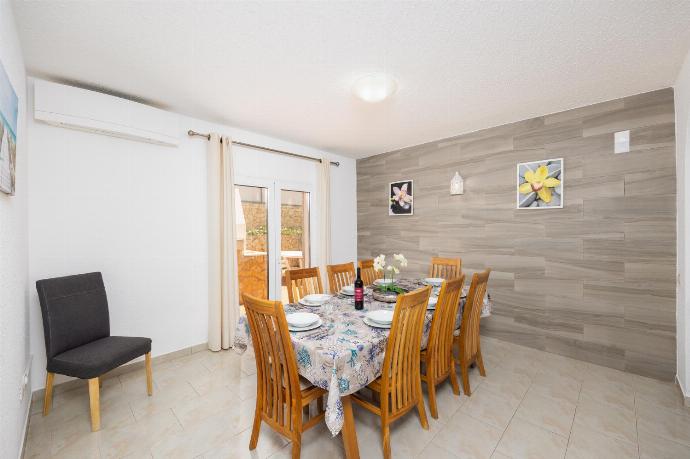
(76,326)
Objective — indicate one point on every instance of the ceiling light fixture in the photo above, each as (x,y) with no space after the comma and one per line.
(374,87)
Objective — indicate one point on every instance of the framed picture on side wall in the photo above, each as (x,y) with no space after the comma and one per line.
(400,198)
(540,184)
(9,107)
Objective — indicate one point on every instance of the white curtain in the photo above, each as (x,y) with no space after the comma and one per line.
(324,191)
(223,291)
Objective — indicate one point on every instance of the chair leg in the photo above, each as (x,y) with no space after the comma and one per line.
(48,396)
(480,363)
(149,374)
(94,403)
(386,439)
(454,378)
(100,382)
(319,405)
(465,379)
(422,411)
(296,445)
(431,388)
(256,427)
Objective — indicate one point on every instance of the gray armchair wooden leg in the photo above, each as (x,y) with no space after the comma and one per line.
(48,396)
(95,404)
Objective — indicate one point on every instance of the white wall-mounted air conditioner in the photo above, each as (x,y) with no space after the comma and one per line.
(92,111)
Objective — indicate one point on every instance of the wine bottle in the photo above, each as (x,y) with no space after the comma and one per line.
(359,292)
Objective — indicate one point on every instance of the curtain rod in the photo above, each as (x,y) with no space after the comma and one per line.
(192,133)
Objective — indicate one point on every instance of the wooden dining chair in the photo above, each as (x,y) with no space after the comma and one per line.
(399,388)
(438,360)
(340,275)
(469,349)
(369,274)
(445,268)
(301,282)
(280,400)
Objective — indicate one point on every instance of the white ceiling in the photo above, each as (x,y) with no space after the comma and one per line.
(286,69)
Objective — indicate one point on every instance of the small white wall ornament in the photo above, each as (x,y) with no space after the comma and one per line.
(457,185)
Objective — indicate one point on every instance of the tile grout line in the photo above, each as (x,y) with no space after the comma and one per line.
(572,426)
(513,416)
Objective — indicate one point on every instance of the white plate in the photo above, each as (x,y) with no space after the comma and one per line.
(435,281)
(316,298)
(348,290)
(432,302)
(384,281)
(371,323)
(308,327)
(302,319)
(309,303)
(380,316)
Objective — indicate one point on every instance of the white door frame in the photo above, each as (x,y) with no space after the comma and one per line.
(273,222)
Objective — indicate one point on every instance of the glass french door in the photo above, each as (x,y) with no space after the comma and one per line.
(273,228)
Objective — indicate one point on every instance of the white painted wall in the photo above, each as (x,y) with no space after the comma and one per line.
(14,336)
(682,104)
(137,212)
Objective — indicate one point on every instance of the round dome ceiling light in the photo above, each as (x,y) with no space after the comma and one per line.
(374,87)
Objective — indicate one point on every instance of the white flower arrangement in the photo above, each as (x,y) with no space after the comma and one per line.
(399,261)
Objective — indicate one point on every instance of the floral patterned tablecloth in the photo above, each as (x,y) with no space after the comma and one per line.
(344,354)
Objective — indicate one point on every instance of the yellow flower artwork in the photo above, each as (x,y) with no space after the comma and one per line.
(540,184)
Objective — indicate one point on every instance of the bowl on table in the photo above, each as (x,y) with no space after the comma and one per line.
(301,321)
(348,290)
(380,316)
(315,299)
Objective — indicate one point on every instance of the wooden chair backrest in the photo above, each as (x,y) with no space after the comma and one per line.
(446,268)
(340,275)
(400,378)
(469,330)
(301,282)
(440,345)
(369,274)
(278,390)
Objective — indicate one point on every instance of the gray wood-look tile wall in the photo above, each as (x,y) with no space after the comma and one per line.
(594,280)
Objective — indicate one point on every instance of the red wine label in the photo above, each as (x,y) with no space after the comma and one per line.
(359,294)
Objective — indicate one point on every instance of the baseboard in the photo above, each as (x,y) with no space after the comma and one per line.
(124,369)
(686,398)
(25,430)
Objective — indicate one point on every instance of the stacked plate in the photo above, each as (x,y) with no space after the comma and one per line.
(313,300)
(348,290)
(434,281)
(303,321)
(382,318)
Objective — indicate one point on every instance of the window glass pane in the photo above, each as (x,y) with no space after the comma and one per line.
(252,240)
(294,233)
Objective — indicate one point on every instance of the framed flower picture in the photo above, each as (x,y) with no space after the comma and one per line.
(540,184)
(400,198)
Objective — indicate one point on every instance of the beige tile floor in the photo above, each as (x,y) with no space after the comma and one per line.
(531,405)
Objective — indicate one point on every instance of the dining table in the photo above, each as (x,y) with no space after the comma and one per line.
(344,354)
